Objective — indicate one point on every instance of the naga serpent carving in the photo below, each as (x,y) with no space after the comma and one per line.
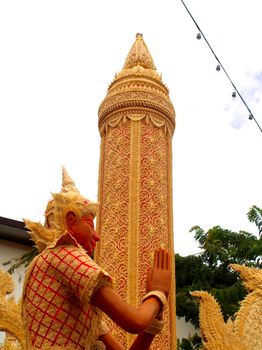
(245,332)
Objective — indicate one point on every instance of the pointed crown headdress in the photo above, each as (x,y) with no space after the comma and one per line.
(68,200)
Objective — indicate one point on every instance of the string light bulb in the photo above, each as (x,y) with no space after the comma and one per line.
(218,67)
(199,36)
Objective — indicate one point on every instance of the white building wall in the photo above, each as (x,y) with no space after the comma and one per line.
(184,329)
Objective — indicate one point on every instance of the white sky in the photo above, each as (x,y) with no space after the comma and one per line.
(57,59)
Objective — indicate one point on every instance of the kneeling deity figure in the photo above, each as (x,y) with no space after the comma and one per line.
(66,292)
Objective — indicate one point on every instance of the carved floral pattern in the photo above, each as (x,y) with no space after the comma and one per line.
(133,220)
(113,219)
(153,208)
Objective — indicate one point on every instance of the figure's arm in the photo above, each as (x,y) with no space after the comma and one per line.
(136,320)
(127,317)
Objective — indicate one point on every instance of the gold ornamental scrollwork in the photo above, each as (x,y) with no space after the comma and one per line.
(136,124)
(122,118)
(138,100)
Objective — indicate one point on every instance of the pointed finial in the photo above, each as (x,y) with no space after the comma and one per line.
(68,184)
(139,55)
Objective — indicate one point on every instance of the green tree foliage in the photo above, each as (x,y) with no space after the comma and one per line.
(255,215)
(210,269)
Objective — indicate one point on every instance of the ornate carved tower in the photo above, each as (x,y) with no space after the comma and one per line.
(136,124)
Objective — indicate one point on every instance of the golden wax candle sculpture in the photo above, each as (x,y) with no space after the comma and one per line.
(136,124)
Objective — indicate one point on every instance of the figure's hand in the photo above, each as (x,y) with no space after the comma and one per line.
(159,276)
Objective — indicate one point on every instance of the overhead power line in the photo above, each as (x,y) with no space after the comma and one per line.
(220,66)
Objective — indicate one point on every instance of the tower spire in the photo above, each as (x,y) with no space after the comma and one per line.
(139,55)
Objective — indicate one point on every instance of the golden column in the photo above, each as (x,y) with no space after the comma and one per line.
(136,124)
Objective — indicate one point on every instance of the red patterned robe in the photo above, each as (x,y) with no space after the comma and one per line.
(56,305)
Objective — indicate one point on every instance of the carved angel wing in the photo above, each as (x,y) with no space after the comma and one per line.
(41,235)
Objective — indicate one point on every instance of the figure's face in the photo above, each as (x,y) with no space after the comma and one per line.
(84,232)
